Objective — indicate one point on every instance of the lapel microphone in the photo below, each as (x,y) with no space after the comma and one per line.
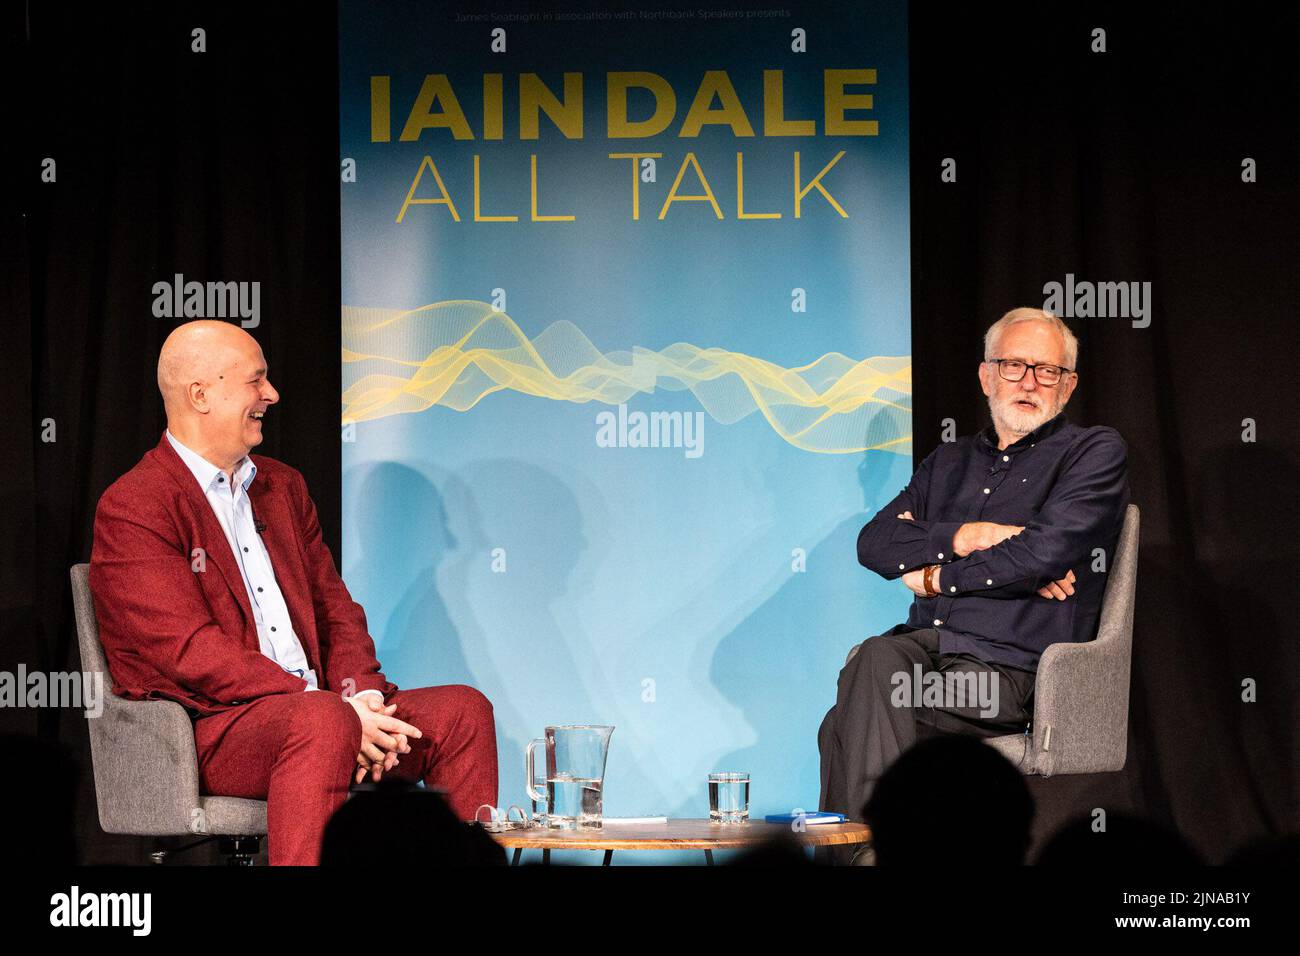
(258,525)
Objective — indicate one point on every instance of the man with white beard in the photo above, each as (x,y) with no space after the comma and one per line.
(994,535)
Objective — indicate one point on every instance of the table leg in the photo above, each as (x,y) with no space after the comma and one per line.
(546,857)
(514,860)
(708,857)
(609,855)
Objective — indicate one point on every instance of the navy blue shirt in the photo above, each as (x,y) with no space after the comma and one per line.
(1066,485)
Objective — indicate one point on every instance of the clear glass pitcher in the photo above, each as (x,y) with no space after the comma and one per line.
(575,774)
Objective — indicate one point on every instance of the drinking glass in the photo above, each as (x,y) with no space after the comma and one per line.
(728,797)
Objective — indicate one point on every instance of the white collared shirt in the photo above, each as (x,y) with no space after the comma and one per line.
(276,636)
(234,511)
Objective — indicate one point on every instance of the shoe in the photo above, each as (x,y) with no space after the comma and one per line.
(864,855)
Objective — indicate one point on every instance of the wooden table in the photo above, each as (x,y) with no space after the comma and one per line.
(676,835)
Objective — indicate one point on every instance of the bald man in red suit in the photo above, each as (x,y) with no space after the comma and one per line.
(214,588)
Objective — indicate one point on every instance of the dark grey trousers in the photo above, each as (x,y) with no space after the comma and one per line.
(866,730)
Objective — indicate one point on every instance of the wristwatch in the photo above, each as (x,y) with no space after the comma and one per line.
(928,582)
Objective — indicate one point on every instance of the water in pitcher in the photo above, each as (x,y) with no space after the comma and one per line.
(574,801)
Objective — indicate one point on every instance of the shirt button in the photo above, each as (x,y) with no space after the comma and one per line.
(246,550)
(986,491)
(221,480)
(1006,457)
(953,588)
(273,627)
(941,554)
(989,581)
(937,622)
(902,567)
(259,590)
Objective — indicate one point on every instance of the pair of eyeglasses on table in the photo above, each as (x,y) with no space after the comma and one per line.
(499,820)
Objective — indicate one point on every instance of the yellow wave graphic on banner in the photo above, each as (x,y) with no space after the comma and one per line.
(455,353)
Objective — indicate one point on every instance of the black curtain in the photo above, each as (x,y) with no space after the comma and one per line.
(1127,166)
(1123,165)
(217,165)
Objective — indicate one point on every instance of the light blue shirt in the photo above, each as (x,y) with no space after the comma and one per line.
(230,503)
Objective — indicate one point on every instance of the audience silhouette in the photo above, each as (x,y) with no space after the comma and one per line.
(394,823)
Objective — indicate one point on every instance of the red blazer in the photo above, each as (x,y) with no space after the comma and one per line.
(179,628)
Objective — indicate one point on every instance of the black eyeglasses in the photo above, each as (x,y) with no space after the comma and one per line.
(1013,370)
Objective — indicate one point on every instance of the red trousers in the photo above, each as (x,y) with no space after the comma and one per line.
(298,752)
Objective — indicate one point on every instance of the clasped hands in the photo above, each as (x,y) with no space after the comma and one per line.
(977,536)
(383,736)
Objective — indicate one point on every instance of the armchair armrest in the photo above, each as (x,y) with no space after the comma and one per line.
(146,768)
(1081,708)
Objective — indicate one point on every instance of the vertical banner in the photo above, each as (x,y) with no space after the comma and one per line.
(626,366)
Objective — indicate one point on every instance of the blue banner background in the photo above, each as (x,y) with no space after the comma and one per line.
(642,588)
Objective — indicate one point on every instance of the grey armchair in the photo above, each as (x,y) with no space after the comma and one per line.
(1081,692)
(145,764)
